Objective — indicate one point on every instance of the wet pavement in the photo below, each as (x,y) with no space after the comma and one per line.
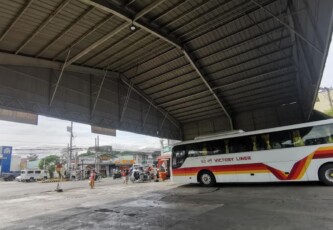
(169,206)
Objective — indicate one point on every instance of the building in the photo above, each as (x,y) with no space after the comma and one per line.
(8,161)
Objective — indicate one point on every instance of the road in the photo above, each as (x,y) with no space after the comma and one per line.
(18,189)
(164,205)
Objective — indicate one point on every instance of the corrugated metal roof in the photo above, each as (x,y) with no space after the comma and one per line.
(242,52)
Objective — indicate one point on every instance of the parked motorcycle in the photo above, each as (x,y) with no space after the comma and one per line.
(116,175)
(139,176)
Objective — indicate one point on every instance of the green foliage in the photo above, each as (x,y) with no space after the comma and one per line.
(49,163)
(329,112)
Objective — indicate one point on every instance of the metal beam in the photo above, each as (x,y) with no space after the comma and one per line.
(199,114)
(184,98)
(121,14)
(147,9)
(129,91)
(201,117)
(115,31)
(231,76)
(203,108)
(218,23)
(7,59)
(226,16)
(98,93)
(265,105)
(165,81)
(122,51)
(158,66)
(18,17)
(284,99)
(177,60)
(194,101)
(68,28)
(168,39)
(165,73)
(144,121)
(184,14)
(270,92)
(251,59)
(282,80)
(289,27)
(255,48)
(59,79)
(81,38)
(174,86)
(98,43)
(180,2)
(245,80)
(151,57)
(149,100)
(109,48)
(191,107)
(45,22)
(295,57)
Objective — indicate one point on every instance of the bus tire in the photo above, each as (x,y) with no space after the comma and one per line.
(325,174)
(206,178)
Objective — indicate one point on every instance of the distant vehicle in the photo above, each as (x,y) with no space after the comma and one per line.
(302,152)
(33,175)
(18,178)
(117,175)
(10,176)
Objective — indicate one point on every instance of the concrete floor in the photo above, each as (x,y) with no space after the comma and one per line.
(113,205)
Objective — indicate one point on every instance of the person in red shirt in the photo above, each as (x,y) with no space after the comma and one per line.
(92,179)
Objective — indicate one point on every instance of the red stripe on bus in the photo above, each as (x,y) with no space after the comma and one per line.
(320,156)
(294,173)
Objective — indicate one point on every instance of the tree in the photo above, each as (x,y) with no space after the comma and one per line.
(329,112)
(49,162)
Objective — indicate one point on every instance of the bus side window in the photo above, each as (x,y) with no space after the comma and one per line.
(280,139)
(297,139)
(214,148)
(329,133)
(315,135)
(265,138)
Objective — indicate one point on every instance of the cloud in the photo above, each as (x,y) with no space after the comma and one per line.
(53,132)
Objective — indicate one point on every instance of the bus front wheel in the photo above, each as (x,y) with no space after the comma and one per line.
(206,178)
(326,174)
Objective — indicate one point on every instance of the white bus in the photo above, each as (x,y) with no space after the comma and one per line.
(302,152)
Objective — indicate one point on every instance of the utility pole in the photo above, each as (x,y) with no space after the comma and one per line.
(70,130)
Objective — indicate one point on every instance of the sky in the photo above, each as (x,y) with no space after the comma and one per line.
(52,132)
(327,80)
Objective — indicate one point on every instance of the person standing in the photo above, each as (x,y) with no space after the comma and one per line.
(92,179)
(125,176)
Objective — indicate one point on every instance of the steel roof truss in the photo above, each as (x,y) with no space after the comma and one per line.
(289,27)
(17,18)
(68,28)
(60,7)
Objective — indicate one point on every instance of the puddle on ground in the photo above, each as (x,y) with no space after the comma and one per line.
(141,203)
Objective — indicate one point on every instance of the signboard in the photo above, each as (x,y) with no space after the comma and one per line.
(125,162)
(166,149)
(17,116)
(103,131)
(6,152)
